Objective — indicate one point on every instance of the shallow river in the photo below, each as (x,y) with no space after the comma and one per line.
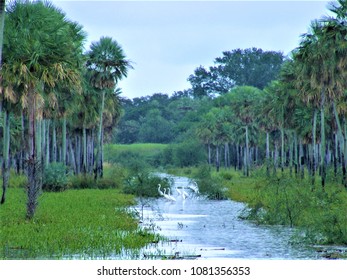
(211,229)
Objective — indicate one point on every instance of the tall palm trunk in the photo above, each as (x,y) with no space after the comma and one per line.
(341,143)
(322,146)
(301,159)
(64,146)
(47,148)
(34,165)
(313,167)
(54,142)
(217,158)
(85,152)
(296,158)
(98,159)
(2,23)
(291,152)
(267,154)
(6,153)
(282,150)
(247,153)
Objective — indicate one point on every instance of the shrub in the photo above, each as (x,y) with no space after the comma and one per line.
(145,185)
(17,180)
(210,186)
(87,181)
(55,177)
(82,181)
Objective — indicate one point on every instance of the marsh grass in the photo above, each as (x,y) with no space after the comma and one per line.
(286,200)
(293,202)
(134,156)
(82,224)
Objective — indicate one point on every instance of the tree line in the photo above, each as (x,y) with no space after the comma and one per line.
(258,108)
(252,108)
(58,103)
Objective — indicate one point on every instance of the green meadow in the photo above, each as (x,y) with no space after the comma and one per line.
(82,224)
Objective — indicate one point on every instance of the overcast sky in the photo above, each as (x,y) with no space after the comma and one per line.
(168,40)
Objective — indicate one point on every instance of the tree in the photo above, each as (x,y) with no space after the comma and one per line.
(249,67)
(243,101)
(321,57)
(6,129)
(39,55)
(108,64)
(2,24)
(209,82)
(155,128)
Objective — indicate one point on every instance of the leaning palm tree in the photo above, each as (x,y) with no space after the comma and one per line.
(108,64)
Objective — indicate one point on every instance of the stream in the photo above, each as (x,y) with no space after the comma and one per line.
(208,229)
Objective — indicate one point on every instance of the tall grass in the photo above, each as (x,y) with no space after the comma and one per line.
(71,224)
(293,202)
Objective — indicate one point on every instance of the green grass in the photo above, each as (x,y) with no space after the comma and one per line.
(145,149)
(291,201)
(71,224)
(134,157)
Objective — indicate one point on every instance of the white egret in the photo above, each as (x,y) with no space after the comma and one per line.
(184,193)
(169,196)
(159,190)
(194,187)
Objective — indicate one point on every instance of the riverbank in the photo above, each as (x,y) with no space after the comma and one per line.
(285,200)
(81,224)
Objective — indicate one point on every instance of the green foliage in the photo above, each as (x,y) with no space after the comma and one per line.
(136,157)
(55,177)
(114,177)
(17,180)
(292,202)
(145,185)
(253,67)
(209,185)
(189,153)
(82,181)
(155,128)
(71,224)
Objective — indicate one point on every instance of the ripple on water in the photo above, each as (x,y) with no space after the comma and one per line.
(213,229)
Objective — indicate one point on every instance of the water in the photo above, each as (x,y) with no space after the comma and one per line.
(209,229)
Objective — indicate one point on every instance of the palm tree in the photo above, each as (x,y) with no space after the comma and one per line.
(108,64)
(6,116)
(322,62)
(243,101)
(2,24)
(39,55)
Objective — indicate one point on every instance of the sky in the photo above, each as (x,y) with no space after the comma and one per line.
(167,40)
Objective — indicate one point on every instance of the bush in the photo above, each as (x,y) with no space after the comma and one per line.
(145,185)
(210,186)
(87,181)
(17,180)
(82,181)
(183,155)
(55,177)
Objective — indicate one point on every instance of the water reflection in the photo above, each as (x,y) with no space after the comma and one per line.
(212,229)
